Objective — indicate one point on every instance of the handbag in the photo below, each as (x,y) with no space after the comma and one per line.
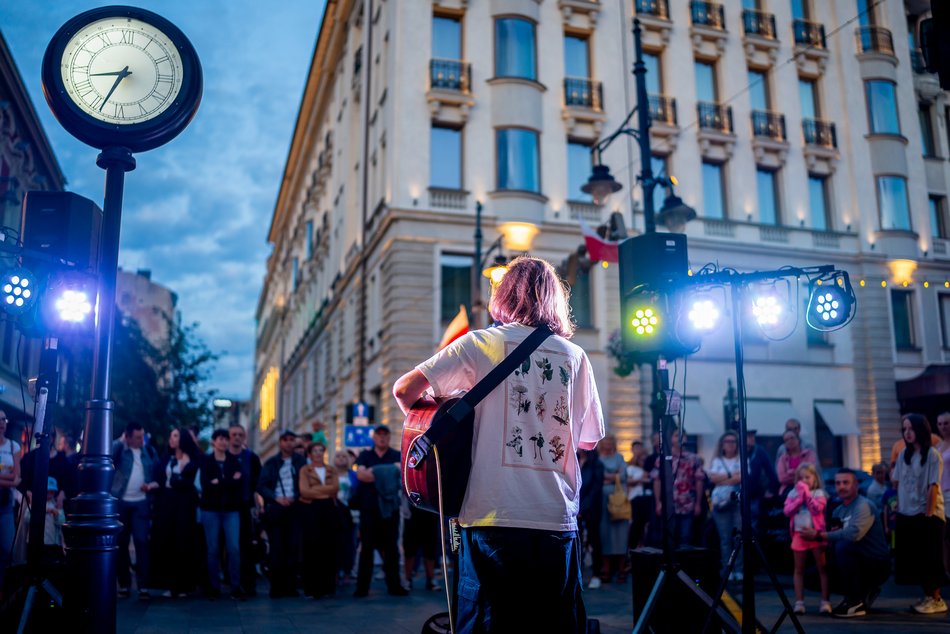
(724,497)
(618,506)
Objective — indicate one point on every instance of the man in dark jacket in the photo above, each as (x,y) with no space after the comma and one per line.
(250,476)
(280,488)
(220,511)
(763,481)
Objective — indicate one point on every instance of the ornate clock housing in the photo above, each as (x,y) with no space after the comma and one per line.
(123,77)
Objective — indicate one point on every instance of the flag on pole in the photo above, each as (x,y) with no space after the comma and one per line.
(597,248)
(456,328)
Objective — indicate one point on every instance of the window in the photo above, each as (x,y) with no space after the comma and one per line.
(892,200)
(926,130)
(903,315)
(295,274)
(819,202)
(446,38)
(576,56)
(866,12)
(579,165)
(309,239)
(758,90)
(800,10)
(714,191)
(882,107)
(653,78)
(944,301)
(456,285)
(809,102)
(514,48)
(706,82)
(765,181)
(445,158)
(580,299)
(659,167)
(518,161)
(937,206)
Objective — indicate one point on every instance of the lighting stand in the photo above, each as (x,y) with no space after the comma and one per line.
(46,396)
(670,570)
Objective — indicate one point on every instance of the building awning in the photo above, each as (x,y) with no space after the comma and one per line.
(837,417)
(697,421)
(768,417)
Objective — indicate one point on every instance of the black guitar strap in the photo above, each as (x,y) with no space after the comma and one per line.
(466,405)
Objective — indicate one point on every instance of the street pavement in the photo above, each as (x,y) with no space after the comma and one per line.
(343,614)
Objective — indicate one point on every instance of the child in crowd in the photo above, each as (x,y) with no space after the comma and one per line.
(805,506)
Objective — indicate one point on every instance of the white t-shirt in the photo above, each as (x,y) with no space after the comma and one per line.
(7,450)
(914,482)
(134,492)
(724,466)
(525,472)
(634,473)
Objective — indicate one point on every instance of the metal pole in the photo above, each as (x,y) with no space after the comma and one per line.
(643,132)
(476,273)
(92,525)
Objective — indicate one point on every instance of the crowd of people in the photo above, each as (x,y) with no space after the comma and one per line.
(901,523)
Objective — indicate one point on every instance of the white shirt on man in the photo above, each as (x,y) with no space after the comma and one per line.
(133,491)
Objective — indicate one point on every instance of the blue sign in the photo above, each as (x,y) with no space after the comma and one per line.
(359,413)
(358,436)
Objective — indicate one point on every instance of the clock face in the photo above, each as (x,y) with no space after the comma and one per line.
(121,70)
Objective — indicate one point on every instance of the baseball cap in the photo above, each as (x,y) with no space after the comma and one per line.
(382,428)
(288,433)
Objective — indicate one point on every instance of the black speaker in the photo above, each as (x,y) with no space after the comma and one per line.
(678,609)
(657,260)
(62,226)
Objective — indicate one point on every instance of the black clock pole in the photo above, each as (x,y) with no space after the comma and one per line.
(92,522)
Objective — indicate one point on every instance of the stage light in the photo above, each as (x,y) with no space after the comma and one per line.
(68,305)
(17,291)
(73,305)
(704,315)
(645,321)
(831,305)
(767,309)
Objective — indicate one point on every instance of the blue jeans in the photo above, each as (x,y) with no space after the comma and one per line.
(520,579)
(135,518)
(727,522)
(681,526)
(213,523)
(7,532)
(860,574)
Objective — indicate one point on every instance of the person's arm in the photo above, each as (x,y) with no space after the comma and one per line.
(267,484)
(331,487)
(786,477)
(794,500)
(306,491)
(409,388)
(816,503)
(862,519)
(12,479)
(717,477)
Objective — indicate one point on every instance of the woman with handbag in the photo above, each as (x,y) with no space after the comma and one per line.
(725,471)
(319,485)
(615,520)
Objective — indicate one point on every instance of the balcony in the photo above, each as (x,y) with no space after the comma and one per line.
(925,82)
(769,140)
(664,130)
(577,14)
(654,17)
(708,29)
(442,198)
(716,133)
(821,146)
(758,40)
(449,95)
(583,111)
(874,39)
(811,51)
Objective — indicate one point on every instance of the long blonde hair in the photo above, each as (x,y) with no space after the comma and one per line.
(531,293)
(807,466)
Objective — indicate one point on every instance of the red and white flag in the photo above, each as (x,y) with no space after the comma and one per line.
(597,248)
(456,328)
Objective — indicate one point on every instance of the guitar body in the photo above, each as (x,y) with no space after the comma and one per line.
(452,454)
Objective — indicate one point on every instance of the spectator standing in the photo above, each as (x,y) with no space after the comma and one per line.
(861,552)
(319,485)
(175,538)
(279,486)
(689,482)
(346,545)
(9,479)
(725,472)
(638,480)
(920,515)
(805,508)
(133,482)
(795,425)
(878,486)
(795,455)
(943,427)
(591,508)
(377,469)
(420,533)
(614,533)
(763,482)
(250,475)
(220,513)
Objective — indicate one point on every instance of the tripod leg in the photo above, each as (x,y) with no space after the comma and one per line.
(730,565)
(644,620)
(53,593)
(778,588)
(27,608)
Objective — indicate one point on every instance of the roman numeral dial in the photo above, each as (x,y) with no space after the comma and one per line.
(121,70)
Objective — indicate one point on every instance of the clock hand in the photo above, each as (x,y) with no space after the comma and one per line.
(115,72)
(125,72)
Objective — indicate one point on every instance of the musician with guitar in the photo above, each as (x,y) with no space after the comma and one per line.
(520,555)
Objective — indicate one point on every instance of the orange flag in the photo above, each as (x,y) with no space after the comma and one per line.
(456,328)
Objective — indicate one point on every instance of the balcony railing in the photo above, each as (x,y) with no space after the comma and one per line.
(874,39)
(707,14)
(662,109)
(583,92)
(817,132)
(714,116)
(656,8)
(758,23)
(917,61)
(450,74)
(767,124)
(809,33)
